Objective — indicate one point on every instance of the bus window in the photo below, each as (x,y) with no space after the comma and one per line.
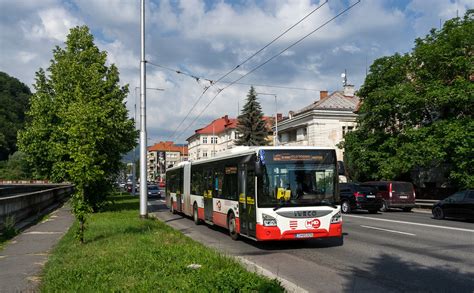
(229,186)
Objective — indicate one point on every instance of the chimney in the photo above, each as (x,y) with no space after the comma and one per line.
(349,90)
(323,95)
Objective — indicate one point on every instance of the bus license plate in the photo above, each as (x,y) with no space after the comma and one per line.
(403,196)
(304,235)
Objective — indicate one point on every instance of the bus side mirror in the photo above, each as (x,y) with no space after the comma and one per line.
(341,169)
(258,168)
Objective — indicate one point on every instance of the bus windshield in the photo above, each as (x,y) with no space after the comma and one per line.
(297,178)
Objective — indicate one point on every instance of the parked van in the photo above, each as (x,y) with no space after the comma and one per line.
(395,194)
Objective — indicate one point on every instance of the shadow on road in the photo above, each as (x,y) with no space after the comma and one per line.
(391,272)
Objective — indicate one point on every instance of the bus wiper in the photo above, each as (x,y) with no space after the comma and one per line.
(279,206)
(327,204)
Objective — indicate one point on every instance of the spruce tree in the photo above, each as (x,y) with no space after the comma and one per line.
(251,128)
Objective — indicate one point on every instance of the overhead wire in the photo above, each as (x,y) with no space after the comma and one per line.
(242,63)
(267,61)
(227,82)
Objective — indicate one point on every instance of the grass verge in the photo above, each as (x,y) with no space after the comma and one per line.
(125,253)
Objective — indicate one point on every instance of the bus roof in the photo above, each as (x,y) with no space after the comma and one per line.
(247,150)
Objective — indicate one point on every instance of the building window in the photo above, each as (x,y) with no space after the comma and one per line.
(204,139)
(204,154)
(213,139)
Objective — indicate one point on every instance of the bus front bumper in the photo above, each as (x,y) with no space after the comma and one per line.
(273,233)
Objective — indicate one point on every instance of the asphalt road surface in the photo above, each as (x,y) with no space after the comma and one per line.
(386,252)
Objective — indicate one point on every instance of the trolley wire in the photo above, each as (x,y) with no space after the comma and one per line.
(267,61)
(242,63)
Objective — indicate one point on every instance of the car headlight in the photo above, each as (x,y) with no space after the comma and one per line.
(337,218)
(269,221)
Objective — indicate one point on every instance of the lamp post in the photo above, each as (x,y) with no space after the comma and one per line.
(275,137)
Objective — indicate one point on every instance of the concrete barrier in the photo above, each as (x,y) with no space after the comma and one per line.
(21,206)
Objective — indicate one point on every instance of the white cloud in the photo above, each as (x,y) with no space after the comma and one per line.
(210,38)
(55,24)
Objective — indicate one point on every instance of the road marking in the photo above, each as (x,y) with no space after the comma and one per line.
(410,223)
(387,230)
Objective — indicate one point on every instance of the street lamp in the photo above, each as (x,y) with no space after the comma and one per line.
(275,137)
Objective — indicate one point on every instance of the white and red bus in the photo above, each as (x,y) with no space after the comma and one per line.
(263,193)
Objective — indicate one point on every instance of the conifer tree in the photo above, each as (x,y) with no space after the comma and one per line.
(251,128)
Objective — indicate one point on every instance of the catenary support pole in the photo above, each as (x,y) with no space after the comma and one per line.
(143,140)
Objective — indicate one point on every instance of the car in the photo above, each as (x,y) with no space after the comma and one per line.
(459,205)
(395,194)
(154,191)
(359,196)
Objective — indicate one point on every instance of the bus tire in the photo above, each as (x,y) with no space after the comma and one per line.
(196,219)
(231,225)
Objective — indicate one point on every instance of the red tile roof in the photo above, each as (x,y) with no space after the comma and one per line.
(168,146)
(218,126)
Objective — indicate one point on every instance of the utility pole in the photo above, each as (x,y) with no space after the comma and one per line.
(143,142)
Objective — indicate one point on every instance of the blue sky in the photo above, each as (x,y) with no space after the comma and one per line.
(208,38)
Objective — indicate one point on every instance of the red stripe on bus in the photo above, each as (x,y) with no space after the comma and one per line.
(274,233)
(219,219)
(201,213)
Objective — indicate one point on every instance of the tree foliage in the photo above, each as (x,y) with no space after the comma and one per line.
(14,97)
(417,110)
(78,127)
(251,127)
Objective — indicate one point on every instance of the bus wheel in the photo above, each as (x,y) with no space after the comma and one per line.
(196,219)
(172,210)
(232,227)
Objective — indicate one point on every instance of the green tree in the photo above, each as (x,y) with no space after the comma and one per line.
(14,97)
(16,167)
(78,127)
(417,110)
(251,127)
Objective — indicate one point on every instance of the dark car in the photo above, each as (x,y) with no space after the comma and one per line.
(154,191)
(395,194)
(359,196)
(459,205)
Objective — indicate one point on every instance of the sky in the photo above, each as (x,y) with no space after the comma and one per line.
(207,39)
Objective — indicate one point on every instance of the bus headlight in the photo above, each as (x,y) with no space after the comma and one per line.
(337,218)
(269,221)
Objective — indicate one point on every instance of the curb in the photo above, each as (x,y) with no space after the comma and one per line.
(253,267)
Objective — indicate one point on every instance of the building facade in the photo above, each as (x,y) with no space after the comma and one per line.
(163,155)
(324,123)
(215,137)
(218,136)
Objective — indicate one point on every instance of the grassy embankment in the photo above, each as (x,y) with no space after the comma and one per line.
(125,253)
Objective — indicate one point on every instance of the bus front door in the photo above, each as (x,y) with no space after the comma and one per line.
(247,201)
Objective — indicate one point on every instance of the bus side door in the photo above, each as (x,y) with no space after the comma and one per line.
(247,200)
(208,205)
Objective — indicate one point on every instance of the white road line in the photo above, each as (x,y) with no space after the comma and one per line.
(410,223)
(387,230)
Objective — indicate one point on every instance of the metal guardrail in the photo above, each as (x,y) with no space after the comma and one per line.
(425,203)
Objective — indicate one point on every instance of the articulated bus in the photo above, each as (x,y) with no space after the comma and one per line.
(262,193)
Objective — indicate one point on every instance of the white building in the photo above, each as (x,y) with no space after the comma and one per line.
(323,123)
(163,155)
(216,137)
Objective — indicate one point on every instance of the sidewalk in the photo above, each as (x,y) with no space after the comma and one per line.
(23,258)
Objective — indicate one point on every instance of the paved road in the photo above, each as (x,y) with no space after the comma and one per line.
(393,252)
